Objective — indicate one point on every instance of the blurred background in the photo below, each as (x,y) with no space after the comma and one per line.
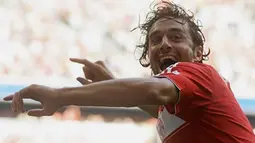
(37,38)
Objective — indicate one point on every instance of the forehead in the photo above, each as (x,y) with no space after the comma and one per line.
(166,24)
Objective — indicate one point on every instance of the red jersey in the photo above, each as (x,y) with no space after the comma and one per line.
(207,111)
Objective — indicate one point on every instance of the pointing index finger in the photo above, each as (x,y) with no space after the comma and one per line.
(23,93)
(82,61)
(8,98)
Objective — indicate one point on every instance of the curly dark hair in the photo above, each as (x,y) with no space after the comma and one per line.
(166,9)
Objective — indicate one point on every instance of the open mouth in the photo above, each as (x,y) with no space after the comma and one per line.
(166,62)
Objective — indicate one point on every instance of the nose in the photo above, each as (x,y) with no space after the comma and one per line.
(165,45)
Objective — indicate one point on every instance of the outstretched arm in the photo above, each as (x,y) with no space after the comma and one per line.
(111,93)
(121,93)
(98,71)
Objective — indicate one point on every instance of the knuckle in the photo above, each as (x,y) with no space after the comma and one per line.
(29,89)
(33,86)
(99,62)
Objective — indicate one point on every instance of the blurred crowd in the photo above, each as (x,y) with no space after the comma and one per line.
(38,37)
(70,126)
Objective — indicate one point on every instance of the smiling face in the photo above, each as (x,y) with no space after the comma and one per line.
(170,42)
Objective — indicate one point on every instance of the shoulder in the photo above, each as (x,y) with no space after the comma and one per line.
(194,66)
(188,68)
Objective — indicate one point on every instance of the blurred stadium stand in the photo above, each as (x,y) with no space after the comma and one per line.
(38,37)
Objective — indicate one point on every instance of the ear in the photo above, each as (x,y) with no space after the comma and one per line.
(198,54)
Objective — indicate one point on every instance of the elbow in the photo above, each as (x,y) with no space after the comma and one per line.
(165,93)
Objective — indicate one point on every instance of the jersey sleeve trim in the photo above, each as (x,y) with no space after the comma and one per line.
(178,90)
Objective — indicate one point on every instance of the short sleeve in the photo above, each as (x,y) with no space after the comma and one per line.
(193,80)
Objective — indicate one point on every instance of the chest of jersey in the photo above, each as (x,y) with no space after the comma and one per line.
(168,124)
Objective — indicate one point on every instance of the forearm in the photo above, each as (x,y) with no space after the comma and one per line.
(114,93)
(152,110)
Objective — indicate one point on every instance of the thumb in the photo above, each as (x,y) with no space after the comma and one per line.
(82,80)
(36,112)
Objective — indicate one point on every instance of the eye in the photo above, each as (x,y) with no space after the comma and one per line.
(155,40)
(176,37)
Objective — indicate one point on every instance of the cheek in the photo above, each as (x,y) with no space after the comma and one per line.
(186,54)
(151,53)
(152,56)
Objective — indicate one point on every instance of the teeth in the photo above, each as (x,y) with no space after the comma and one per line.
(164,58)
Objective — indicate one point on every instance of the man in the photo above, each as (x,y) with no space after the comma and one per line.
(194,103)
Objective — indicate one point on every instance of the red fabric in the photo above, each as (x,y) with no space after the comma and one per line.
(208,106)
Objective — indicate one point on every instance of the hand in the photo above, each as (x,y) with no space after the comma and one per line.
(48,97)
(93,72)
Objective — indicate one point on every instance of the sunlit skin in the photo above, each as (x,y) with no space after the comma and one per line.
(168,39)
(171,39)
(190,99)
